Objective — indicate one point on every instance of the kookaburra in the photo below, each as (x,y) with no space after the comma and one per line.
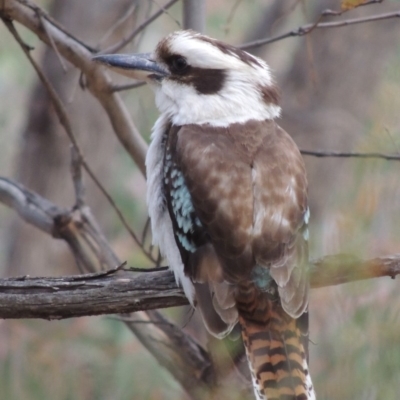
(227,198)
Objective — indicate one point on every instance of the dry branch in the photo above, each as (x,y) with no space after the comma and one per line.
(27,13)
(118,46)
(120,291)
(306,29)
(89,294)
(350,154)
(92,252)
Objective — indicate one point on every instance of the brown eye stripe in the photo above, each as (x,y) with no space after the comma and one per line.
(204,80)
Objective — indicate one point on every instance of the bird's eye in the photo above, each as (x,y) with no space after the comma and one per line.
(178,64)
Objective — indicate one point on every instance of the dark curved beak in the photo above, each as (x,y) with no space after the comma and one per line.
(139,66)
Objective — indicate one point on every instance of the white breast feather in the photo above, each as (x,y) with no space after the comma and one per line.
(161,224)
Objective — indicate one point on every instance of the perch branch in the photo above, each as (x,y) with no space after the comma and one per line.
(121,291)
(89,246)
(77,227)
(89,294)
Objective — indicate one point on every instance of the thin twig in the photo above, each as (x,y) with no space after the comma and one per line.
(120,21)
(145,229)
(231,15)
(190,365)
(65,122)
(139,38)
(305,29)
(98,82)
(55,23)
(166,12)
(119,45)
(339,154)
(76,173)
(51,40)
(117,211)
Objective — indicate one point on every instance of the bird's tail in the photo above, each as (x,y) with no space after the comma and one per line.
(276,347)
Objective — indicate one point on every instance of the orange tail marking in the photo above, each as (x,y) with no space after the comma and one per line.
(277,357)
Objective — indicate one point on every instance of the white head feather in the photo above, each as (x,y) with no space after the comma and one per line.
(240,98)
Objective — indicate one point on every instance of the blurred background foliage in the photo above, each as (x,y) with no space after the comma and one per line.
(341,91)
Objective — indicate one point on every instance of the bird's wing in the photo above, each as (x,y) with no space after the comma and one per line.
(247,190)
(281,217)
(202,180)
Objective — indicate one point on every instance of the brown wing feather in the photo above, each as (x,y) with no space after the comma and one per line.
(220,183)
(280,203)
(249,190)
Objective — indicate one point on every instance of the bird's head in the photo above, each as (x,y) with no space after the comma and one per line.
(199,80)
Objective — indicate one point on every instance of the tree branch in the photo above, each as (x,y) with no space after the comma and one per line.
(90,294)
(305,29)
(146,291)
(26,13)
(119,291)
(349,154)
(191,366)
(137,30)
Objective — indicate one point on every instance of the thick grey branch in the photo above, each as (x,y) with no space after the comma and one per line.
(110,293)
(122,292)
(32,208)
(89,294)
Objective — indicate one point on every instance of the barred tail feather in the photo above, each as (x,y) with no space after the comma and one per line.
(277,357)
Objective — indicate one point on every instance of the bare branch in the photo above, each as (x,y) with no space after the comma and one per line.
(98,81)
(136,31)
(127,14)
(78,228)
(31,207)
(52,44)
(90,294)
(55,23)
(305,29)
(119,291)
(344,268)
(77,179)
(340,154)
(66,123)
(89,246)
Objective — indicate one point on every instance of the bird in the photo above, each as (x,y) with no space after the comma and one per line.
(227,199)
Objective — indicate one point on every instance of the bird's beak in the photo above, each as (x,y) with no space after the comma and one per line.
(138,66)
